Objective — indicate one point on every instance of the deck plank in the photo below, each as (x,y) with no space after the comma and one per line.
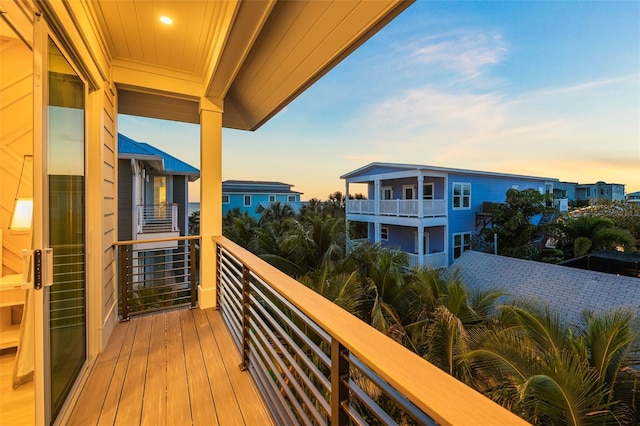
(172,368)
(203,410)
(251,403)
(97,386)
(178,405)
(224,396)
(109,410)
(130,407)
(154,406)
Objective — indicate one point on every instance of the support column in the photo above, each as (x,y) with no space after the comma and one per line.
(420,196)
(210,196)
(377,195)
(421,245)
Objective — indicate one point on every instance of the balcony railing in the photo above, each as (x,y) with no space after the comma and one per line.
(408,208)
(434,260)
(159,278)
(157,218)
(314,363)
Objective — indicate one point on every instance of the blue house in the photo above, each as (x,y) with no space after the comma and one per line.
(429,212)
(253,197)
(600,190)
(152,192)
(633,197)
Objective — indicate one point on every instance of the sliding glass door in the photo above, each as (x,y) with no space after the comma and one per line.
(66,211)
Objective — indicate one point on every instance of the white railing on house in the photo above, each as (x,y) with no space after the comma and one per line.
(361,206)
(315,363)
(434,260)
(408,208)
(157,218)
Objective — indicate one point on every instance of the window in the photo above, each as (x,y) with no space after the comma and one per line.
(548,188)
(272,198)
(587,192)
(427,191)
(247,200)
(461,195)
(225,199)
(291,198)
(387,193)
(407,191)
(384,233)
(461,243)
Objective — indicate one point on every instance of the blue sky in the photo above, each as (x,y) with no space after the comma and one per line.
(545,88)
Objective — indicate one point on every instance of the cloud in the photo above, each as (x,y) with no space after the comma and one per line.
(429,108)
(466,51)
(364,158)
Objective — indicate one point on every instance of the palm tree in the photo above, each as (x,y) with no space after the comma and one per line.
(277,212)
(386,298)
(588,233)
(310,243)
(444,312)
(549,374)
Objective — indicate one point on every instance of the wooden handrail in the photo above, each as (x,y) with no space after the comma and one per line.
(444,398)
(156,240)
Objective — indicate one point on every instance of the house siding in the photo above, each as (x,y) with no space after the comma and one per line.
(483,189)
(110,170)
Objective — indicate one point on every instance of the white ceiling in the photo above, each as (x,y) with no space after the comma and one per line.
(252,56)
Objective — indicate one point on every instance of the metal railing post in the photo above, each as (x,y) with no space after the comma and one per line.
(124,284)
(218,275)
(246,306)
(339,390)
(192,271)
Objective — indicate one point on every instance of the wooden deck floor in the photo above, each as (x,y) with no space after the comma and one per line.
(171,368)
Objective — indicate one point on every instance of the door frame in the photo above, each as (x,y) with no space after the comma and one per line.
(42,32)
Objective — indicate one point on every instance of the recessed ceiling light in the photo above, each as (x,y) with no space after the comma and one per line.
(166,20)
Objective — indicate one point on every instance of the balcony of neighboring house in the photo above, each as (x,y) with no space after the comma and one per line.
(272,352)
(406,196)
(398,207)
(433,260)
(156,221)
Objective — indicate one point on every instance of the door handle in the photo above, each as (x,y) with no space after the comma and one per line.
(37,268)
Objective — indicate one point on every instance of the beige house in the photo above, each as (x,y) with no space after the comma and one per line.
(68,68)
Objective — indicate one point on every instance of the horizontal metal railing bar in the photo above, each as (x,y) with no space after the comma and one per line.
(353,415)
(264,381)
(155,240)
(371,405)
(139,277)
(323,357)
(267,345)
(398,398)
(141,298)
(303,374)
(292,401)
(318,330)
(446,400)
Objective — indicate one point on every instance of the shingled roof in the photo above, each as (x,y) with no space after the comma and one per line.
(568,291)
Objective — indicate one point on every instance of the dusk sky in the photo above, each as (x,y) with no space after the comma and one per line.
(545,88)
